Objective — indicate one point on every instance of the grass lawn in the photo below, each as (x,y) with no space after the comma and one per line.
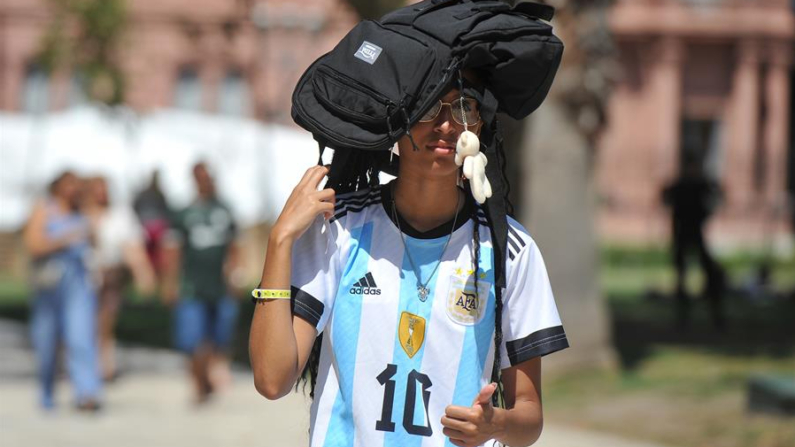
(683,388)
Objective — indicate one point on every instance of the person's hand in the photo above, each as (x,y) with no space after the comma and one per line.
(471,426)
(72,237)
(304,204)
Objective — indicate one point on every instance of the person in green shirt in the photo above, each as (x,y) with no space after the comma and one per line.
(201,264)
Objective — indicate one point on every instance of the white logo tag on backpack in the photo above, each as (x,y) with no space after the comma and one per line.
(368,52)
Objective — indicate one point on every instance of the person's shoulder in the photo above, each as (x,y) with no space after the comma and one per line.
(519,239)
(356,202)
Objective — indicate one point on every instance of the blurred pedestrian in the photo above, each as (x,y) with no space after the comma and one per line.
(57,237)
(202,268)
(119,254)
(152,209)
(693,197)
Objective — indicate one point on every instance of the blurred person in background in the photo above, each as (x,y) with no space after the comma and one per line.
(58,238)
(693,198)
(202,279)
(152,209)
(119,253)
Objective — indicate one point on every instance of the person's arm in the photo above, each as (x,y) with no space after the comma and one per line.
(519,424)
(171,253)
(171,267)
(531,328)
(35,237)
(280,343)
(143,274)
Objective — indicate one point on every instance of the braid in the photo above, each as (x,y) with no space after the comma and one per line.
(353,170)
(496,372)
(496,377)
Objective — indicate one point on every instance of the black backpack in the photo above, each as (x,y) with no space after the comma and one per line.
(379,80)
(366,93)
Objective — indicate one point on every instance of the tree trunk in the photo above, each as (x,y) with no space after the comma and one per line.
(557,191)
(558,204)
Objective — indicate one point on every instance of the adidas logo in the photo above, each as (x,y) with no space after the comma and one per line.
(365,286)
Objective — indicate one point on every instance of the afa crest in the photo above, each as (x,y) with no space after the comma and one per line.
(411,332)
(464,306)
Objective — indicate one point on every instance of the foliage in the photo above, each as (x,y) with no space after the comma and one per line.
(84,36)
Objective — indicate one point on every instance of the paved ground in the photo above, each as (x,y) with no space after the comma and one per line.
(149,406)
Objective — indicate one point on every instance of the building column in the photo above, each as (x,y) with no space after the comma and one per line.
(212,66)
(776,130)
(666,92)
(743,132)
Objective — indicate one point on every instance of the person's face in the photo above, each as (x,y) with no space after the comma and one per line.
(99,191)
(68,190)
(204,183)
(436,140)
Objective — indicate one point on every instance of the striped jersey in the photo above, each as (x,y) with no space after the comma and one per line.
(390,362)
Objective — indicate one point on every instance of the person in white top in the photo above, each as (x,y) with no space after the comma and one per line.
(398,281)
(118,253)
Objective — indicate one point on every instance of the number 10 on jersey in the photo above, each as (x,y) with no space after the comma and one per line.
(388,382)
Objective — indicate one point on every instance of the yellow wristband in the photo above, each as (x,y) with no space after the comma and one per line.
(270,294)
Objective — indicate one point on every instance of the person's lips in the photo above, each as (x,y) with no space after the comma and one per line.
(443,147)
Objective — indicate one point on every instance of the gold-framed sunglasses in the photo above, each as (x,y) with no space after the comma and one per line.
(464,111)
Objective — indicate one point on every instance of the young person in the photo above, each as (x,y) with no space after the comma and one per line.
(118,256)
(201,258)
(58,238)
(397,281)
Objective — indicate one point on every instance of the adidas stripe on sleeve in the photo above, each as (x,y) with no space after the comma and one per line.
(530,321)
(315,272)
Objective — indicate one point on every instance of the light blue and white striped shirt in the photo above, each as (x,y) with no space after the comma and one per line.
(390,363)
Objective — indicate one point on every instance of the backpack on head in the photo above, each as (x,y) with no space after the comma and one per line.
(379,80)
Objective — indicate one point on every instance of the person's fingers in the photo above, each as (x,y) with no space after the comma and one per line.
(453,434)
(317,174)
(307,174)
(484,396)
(458,425)
(326,195)
(327,208)
(460,413)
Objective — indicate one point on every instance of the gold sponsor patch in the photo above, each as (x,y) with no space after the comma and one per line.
(411,332)
(464,306)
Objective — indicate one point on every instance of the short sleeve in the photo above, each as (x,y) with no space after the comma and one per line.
(531,325)
(130,227)
(315,272)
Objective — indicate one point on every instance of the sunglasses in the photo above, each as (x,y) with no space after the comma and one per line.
(464,111)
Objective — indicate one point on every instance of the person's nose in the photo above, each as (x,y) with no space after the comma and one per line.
(444,121)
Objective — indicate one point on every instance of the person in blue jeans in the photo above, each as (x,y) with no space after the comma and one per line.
(57,237)
(201,270)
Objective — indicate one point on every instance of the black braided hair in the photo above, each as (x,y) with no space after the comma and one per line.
(496,376)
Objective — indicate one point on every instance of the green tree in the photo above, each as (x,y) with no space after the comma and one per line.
(84,35)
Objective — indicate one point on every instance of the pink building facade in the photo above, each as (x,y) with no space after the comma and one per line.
(239,57)
(715,77)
